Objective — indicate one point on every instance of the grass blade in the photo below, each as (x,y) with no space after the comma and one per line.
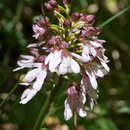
(114,17)
(11,91)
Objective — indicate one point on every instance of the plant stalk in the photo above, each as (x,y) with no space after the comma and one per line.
(45,108)
(75,121)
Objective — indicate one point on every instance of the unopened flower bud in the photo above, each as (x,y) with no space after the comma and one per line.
(38,31)
(53,3)
(90,18)
(82,15)
(43,22)
(50,6)
(67,23)
(41,58)
(66,2)
(93,31)
(72,90)
(84,33)
(64,45)
(34,51)
(90,31)
(55,40)
(75,16)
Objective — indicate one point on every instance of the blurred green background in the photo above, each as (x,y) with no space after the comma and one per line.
(113,109)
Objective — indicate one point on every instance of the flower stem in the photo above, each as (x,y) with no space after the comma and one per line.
(45,108)
(75,121)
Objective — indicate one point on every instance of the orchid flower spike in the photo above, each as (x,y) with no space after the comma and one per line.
(70,46)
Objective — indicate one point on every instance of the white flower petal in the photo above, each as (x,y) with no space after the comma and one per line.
(25,84)
(91,104)
(69,69)
(84,98)
(105,58)
(36,36)
(105,66)
(27,95)
(63,67)
(27,61)
(31,75)
(48,58)
(55,61)
(92,79)
(27,57)
(95,44)
(99,73)
(37,65)
(74,66)
(86,50)
(85,53)
(25,65)
(93,52)
(76,56)
(67,112)
(18,68)
(104,63)
(40,80)
(82,113)
(32,45)
(84,57)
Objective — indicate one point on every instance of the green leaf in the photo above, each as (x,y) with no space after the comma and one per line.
(43,129)
(124,110)
(105,124)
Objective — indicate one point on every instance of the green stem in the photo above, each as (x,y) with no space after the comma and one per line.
(45,108)
(75,121)
(12,90)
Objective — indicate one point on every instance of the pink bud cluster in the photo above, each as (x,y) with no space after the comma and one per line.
(51,5)
(71,46)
